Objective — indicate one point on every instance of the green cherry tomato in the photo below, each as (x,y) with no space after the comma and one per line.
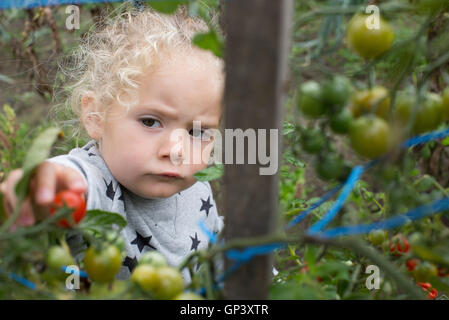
(425,271)
(370,136)
(187,295)
(341,122)
(58,257)
(154,259)
(310,99)
(312,140)
(375,100)
(330,166)
(102,266)
(146,277)
(171,283)
(429,114)
(369,42)
(377,237)
(336,91)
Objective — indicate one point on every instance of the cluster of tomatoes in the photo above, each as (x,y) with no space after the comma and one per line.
(372,122)
(422,271)
(103,261)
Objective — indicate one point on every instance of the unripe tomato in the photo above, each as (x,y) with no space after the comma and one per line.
(187,295)
(336,91)
(171,283)
(103,265)
(377,237)
(154,259)
(429,114)
(312,140)
(425,271)
(375,100)
(399,245)
(70,199)
(310,99)
(369,43)
(370,136)
(330,167)
(56,258)
(146,277)
(446,103)
(341,122)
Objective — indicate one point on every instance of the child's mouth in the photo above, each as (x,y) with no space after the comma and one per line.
(173,175)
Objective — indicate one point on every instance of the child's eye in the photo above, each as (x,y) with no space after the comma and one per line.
(149,122)
(200,134)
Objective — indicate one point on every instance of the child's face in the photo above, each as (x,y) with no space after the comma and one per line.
(136,145)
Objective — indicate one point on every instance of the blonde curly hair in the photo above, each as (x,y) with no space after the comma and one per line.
(115,53)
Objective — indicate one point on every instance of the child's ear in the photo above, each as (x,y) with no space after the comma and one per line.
(90,116)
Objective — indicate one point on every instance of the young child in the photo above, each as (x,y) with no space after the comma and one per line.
(139,79)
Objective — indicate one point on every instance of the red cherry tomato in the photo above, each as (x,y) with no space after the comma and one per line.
(412,263)
(399,245)
(70,199)
(433,293)
(424,285)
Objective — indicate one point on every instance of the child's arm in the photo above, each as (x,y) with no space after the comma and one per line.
(49,178)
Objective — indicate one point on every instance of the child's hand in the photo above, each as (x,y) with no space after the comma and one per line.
(49,178)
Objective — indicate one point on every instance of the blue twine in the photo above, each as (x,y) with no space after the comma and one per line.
(423,138)
(318,203)
(347,189)
(248,253)
(212,236)
(393,222)
(28,4)
(20,280)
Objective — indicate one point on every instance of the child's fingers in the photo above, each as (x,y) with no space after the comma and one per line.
(51,177)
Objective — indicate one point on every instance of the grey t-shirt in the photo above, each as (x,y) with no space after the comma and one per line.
(168,225)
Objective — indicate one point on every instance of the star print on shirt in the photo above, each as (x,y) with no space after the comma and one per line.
(130,263)
(206,205)
(110,190)
(141,242)
(91,154)
(195,242)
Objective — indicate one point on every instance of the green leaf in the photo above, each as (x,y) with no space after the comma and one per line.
(445,141)
(38,153)
(211,173)
(210,41)
(288,128)
(165,6)
(100,221)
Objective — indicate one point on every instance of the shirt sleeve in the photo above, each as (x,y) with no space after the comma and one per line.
(91,174)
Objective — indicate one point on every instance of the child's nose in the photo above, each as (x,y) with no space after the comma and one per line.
(174,146)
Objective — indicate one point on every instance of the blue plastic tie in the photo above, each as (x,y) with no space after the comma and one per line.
(349,185)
